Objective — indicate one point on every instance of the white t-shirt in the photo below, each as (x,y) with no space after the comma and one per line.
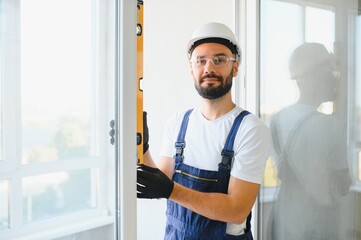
(205,140)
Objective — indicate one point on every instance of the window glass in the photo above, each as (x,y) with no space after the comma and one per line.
(1,114)
(277,91)
(303,73)
(53,194)
(52,54)
(359,165)
(320,26)
(358,82)
(357,108)
(1,80)
(57,88)
(4,204)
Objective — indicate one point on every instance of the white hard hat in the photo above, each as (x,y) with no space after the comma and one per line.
(214,32)
(307,58)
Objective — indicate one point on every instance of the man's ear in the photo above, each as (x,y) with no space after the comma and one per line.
(235,68)
(190,68)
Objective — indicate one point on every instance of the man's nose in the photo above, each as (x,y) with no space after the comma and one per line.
(209,66)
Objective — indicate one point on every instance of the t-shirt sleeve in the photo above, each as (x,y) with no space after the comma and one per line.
(170,133)
(252,148)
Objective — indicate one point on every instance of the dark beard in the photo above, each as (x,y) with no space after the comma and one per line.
(210,92)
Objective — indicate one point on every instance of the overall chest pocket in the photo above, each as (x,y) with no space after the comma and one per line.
(201,180)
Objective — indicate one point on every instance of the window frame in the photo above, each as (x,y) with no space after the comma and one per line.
(13,170)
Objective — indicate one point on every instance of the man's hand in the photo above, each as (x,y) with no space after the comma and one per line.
(145,133)
(153,183)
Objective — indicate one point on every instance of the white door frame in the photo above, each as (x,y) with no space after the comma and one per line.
(125,120)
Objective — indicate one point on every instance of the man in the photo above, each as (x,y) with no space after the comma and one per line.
(212,176)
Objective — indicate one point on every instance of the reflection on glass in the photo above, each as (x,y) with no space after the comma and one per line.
(311,152)
(305,71)
(4,204)
(54,194)
(57,89)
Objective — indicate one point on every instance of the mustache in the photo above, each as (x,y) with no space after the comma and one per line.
(211,75)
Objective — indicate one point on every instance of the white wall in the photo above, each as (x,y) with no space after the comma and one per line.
(167,84)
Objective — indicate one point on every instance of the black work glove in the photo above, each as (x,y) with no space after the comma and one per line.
(145,133)
(153,183)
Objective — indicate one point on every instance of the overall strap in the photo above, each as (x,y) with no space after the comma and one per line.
(227,152)
(181,144)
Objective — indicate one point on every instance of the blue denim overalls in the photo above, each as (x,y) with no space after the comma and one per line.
(186,224)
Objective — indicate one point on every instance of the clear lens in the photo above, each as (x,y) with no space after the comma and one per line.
(218,61)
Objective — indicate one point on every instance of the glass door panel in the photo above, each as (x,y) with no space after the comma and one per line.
(306,77)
